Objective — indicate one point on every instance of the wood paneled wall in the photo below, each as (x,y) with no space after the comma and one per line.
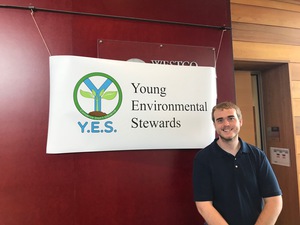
(278,113)
(269,31)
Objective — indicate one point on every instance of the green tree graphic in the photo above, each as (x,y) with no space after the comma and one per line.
(107,95)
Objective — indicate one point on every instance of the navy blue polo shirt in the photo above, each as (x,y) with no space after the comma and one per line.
(235,184)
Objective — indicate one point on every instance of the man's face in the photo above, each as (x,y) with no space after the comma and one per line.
(227,124)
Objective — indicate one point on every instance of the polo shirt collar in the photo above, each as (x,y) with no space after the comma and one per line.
(220,152)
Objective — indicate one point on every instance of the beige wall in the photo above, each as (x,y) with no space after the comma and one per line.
(244,100)
(269,31)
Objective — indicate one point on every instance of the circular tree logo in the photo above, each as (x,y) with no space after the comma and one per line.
(97,96)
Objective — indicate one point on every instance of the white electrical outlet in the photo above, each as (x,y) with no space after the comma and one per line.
(280,156)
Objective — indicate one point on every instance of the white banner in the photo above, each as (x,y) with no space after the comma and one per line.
(106,105)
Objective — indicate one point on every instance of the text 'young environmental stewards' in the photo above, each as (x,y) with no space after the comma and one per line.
(137,105)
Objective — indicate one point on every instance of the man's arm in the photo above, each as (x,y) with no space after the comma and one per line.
(210,214)
(271,211)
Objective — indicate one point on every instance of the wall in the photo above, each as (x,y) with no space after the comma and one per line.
(268,31)
(278,113)
(244,99)
(130,187)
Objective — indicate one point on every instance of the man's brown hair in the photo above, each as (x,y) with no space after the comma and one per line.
(226,105)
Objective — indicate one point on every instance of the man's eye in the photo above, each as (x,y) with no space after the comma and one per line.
(219,121)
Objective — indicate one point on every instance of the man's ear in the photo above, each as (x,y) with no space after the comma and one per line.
(241,122)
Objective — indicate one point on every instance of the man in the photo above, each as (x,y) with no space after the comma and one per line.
(233,181)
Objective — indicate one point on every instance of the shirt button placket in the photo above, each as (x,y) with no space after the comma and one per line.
(235,164)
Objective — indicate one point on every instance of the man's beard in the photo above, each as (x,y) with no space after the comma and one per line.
(227,139)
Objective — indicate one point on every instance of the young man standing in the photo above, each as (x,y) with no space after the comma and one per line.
(233,181)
